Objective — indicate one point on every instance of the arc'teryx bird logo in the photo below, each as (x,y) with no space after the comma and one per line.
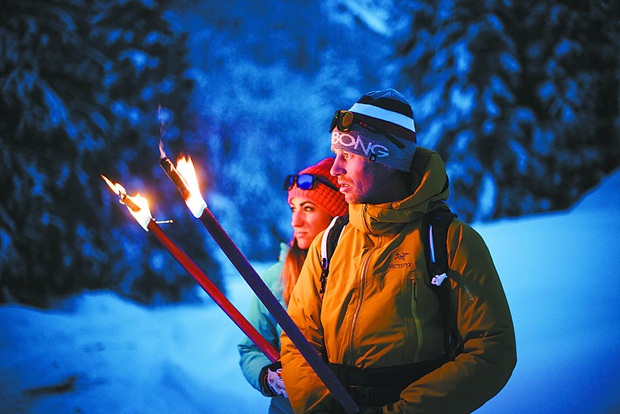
(400,256)
(354,143)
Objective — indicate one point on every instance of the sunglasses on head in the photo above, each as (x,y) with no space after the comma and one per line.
(343,120)
(306,182)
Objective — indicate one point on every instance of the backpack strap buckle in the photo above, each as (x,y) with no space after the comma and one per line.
(438,279)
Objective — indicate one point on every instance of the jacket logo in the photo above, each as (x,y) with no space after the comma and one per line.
(400,257)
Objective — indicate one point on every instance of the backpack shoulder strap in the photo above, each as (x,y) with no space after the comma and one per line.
(436,226)
(434,238)
(329,241)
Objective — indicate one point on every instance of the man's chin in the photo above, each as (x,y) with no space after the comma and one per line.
(351,198)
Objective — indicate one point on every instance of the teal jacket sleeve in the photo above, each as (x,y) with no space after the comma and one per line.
(252,360)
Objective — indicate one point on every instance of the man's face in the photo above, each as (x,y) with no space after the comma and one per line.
(361,180)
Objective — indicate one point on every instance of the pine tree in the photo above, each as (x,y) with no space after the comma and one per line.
(81,82)
(521,99)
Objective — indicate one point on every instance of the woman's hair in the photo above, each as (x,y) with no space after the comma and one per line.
(292,267)
(325,196)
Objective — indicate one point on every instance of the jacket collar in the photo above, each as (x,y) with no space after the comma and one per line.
(430,191)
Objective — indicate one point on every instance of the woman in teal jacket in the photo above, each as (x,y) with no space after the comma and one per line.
(315,200)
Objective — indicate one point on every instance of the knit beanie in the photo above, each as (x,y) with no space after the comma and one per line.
(327,198)
(386,112)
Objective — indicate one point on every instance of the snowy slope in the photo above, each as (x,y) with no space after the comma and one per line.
(98,353)
(560,275)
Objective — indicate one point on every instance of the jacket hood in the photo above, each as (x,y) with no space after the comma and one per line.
(430,189)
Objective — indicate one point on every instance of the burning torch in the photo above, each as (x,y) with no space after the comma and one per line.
(184,177)
(139,209)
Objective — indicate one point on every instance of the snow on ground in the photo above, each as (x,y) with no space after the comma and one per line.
(99,353)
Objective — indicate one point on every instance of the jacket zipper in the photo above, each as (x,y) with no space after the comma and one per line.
(416,320)
(362,281)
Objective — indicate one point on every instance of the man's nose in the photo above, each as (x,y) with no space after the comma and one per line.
(337,168)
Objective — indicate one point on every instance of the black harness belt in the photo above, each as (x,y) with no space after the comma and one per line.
(373,387)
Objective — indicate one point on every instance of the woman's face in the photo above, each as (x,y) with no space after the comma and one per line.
(308,220)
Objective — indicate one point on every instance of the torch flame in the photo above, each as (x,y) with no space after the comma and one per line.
(195,202)
(138,206)
(118,189)
(143,215)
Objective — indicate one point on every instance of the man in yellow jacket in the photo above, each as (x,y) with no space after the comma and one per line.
(375,319)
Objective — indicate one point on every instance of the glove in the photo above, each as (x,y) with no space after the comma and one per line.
(271,380)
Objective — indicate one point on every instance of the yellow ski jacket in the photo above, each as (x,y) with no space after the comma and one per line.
(378,309)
